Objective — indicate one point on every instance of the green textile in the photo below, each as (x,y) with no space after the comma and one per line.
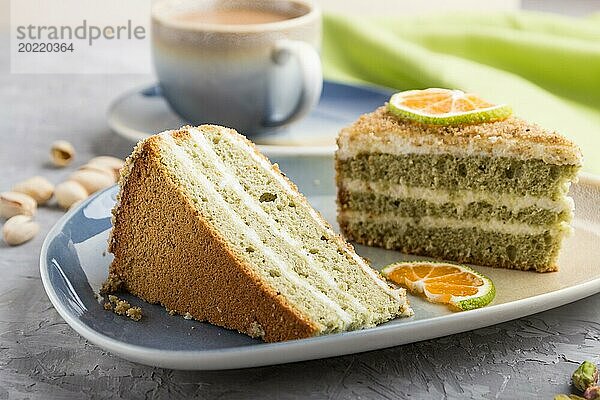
(546,66)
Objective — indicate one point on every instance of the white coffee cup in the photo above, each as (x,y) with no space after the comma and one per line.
(253,77)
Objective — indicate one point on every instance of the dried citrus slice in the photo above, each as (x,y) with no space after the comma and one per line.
(445,107)
(457,285)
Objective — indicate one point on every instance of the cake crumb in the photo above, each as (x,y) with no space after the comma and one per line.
(135,313)
(122,307)
(113,284)
(171,312)
(187,315)
(256,330)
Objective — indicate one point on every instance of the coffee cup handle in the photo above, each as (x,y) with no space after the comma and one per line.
(312,77)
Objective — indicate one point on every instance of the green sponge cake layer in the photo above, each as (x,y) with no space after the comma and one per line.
(471,245)
(492,193)
(498,175)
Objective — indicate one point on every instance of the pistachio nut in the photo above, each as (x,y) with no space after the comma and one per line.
(585,375)
(69,192)
(19,229)
(113,163)
(92,179)
(62,153)
(39,188)
(100,169)
(15,203)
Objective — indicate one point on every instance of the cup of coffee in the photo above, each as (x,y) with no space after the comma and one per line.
(247,64)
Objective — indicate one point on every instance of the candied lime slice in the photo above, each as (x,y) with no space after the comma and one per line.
(457,285)
(446,107)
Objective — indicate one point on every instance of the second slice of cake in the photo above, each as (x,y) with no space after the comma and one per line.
(491,193)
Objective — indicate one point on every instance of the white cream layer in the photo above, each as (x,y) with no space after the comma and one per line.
(438,223)
(495,146)
(459,197)
(235,220)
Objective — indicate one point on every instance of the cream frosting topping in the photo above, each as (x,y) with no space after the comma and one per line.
(494,146)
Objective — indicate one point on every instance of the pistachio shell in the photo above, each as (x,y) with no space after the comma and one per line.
(15,203)
(99,168)
(62,153)
(113,163)
(39,188)
(69,192)
(92,180)
(19,229)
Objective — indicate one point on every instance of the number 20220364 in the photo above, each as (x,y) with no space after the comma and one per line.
(45,47)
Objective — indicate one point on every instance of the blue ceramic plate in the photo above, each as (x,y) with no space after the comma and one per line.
(74,263)
(143,112)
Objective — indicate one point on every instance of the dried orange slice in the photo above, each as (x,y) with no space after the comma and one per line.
(446,107)
(457,285)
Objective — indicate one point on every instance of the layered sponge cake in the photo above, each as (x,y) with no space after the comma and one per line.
(491,193)
(206,225)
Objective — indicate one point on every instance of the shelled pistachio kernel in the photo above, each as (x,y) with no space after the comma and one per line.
(38,187)
(585,375)
(62,153)
(15,203)
(92,179)
(69,192)
(19,229)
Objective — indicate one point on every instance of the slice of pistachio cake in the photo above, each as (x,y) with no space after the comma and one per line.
(206,225)
(490,193)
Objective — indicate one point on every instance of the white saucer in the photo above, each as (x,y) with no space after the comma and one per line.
(142,112)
